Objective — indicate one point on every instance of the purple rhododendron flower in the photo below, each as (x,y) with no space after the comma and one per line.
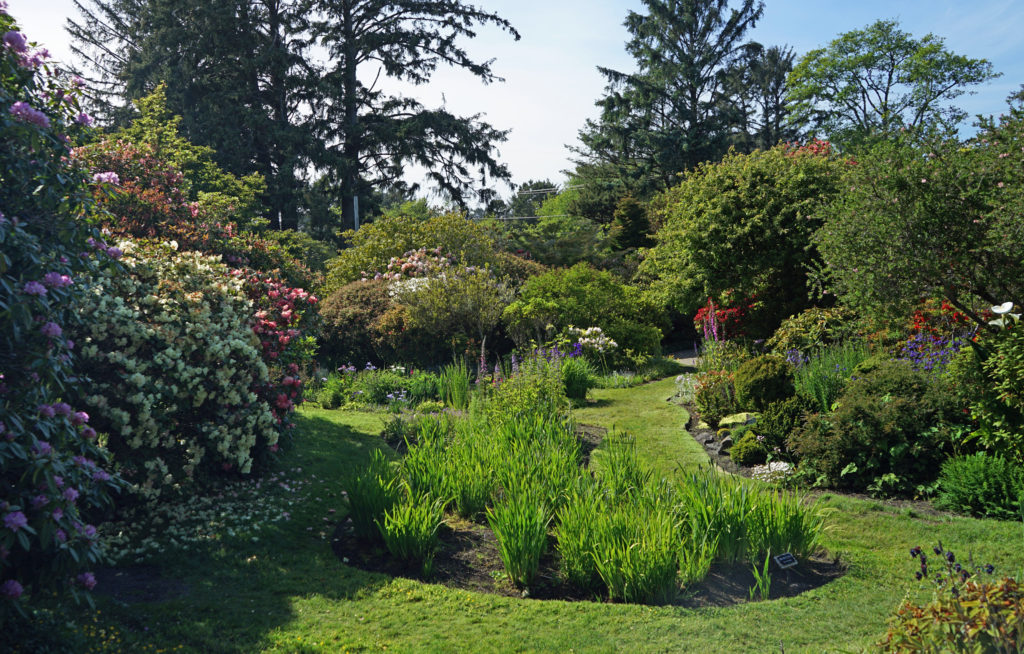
(84,119)
(87,579)
(62,535)
(42,448)
(23,111)
(89,532)
(54,279)
(16,41)
(11,589)
(46,411)
(79,417)
(101,475)
(89,433)
(114,253)
(57,514)
(15,520)
(51,330)
(70,494)
(62,409)
(109,177)
(40,500)
(33,288)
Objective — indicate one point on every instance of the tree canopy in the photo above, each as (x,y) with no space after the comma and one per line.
(249,80)
(879,79)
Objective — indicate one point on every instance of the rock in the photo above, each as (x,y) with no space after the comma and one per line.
(709,439)
(725,445)
(737,419)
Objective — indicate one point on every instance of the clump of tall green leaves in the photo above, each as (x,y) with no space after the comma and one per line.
(520,524)
(371,492)
(823,377)
(453,385)
(410,528)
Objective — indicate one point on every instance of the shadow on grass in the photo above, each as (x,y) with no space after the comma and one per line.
(242,587)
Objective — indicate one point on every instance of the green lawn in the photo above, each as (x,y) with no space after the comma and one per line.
(286,591)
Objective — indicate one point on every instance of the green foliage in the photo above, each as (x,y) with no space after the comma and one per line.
(822,378)
(678,109)
(393,234)
(812,329)
(302,247)
(584,297)
(374,386)
(780,419)
(933,218)
(749,450)
(999,408)
(630,227)
(461,304)
(891,420)
(410,529)
(636,550)
(714,395)
(55,475)
(559,236)
(229,197)
(876,80)
(763,380)
(422,386)
(537,389)
(976,618)
(743,521)
(578,377)
(372,492)
(722,355)
(453,385)
(981,485)
(351,322)
(336,391)
(575,527)
(620,471)
(743,225)
(520,524)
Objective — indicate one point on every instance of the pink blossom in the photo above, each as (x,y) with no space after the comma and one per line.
(84,119)
(79,418)
(109,177)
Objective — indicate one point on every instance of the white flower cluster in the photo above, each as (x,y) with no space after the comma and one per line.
(173,361)
(591,338)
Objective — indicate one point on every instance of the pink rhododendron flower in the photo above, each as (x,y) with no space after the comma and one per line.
(79,418)
(109,177)
(54,279)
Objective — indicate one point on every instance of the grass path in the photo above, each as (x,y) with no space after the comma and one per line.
(288,593)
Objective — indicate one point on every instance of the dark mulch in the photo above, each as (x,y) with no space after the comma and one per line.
(139,583)
(590,436)
(468,559)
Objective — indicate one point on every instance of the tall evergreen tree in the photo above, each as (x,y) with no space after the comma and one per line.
(678,109)
(244,75)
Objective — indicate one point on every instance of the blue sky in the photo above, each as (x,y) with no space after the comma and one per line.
(551,77)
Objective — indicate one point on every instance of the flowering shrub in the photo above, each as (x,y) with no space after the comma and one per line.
(718,323)
(414,263)
(178,379)
(52,470)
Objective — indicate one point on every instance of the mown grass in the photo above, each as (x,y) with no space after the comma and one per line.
(289,593)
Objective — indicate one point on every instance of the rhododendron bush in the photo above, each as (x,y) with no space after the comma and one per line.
(177,354)
(52,470)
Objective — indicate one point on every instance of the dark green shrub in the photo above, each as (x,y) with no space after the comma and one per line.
(813,329)
(749,450)
(714,396)
(981,485)
(780,419)
(893,422)
(763,380)
(348,318)
(578,377)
